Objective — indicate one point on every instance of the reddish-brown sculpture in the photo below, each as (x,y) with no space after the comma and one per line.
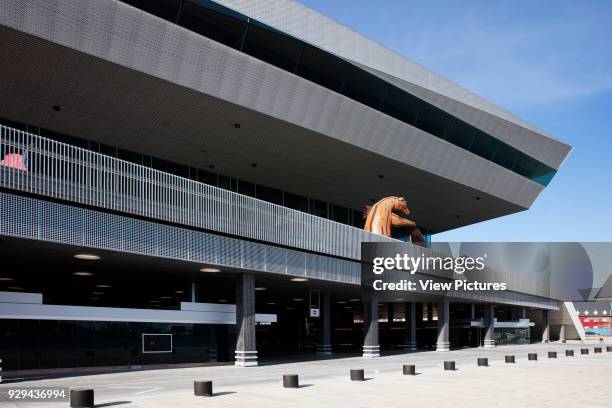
(389,213)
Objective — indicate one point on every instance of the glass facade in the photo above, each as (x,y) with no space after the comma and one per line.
(40,344)
(279,49)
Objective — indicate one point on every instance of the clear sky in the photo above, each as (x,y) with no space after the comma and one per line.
(548,62)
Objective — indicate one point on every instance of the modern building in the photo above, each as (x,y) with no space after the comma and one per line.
(182,182)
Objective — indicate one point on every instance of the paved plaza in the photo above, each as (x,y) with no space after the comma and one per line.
(580,381)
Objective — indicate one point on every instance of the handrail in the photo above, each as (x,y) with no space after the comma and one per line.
(41,166)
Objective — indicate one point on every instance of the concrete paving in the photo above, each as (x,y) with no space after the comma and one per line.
(580,381)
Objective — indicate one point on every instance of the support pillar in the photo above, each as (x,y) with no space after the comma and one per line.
(562,333)
(443,343)
(325,347)
(524,313)
(472,311)
(246,351)
(371,347)
(545,327)
(194,291)
(410,326)
(489,321)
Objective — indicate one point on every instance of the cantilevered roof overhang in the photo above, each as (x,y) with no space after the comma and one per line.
(126,78)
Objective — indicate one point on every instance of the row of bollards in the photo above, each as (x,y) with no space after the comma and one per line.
(84,397)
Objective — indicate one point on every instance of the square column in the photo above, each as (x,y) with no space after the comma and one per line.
(489,321)
(545,327)
(562,333)
(410,326)
(371,347)
(325,347)
(443,343)
(246,352)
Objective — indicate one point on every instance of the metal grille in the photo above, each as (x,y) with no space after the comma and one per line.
(66,172)
(31,218)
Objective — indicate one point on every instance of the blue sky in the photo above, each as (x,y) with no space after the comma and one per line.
(548,62)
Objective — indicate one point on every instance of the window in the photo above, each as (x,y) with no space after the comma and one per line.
(460,134)
(270,195)
(484,145)
(401,105)
(433,120)
(246,188)
(505,156)
(166,9)
(271,46)
(364,87)
(318,208)
(228,30)
(296,202)
(322,68)
(340,214)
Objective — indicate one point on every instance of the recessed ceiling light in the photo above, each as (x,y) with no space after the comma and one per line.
(354,300)
(56,108)
(210,270)
(271,303)
(94,298)
(82,274)
(88,257)
(260,288)
(7,279)
(253,164)
(299,279)
(381,176)
(165,297)
(15,288)
(153,301)
(347,307)
(289,308)
(237,125)
(341,302)
(179,292)
(211,166)
(298,299)
(97,293)
(102,285)
(222,300)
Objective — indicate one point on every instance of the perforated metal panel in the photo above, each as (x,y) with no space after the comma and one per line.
(32,218)
(73,174)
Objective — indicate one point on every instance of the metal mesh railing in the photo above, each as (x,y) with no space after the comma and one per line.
(42,166)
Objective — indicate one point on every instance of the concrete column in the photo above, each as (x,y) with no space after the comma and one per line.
(194,290)
(545,327)
(562,333)
(325,347)
(472,311)
(246,352)
(524,313)
(489,322)
(371,347)
(443,343)
(410,326)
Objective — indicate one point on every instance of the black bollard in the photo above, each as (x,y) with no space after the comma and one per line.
(357,375)
(82,397)
(510,359)
(552,354)
(584,351)
(291,381)
(449,365)
(202,388)
(483,362)
(532,356)
(409,369)
(597,350)
(569,353)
